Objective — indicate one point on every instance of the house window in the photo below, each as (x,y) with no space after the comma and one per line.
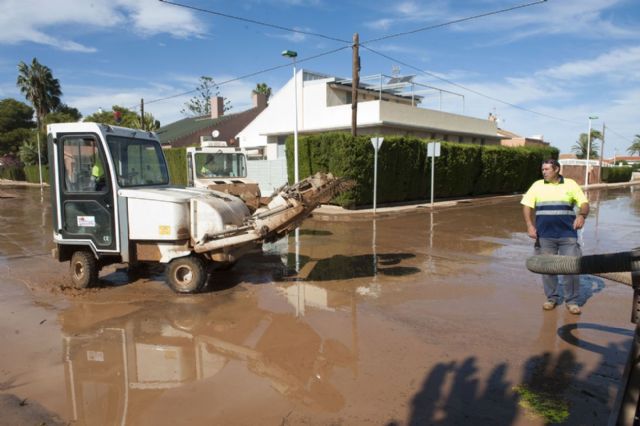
(481,141)
(348,97)
(460,139)
(445,138)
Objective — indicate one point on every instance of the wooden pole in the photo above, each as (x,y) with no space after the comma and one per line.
(354,85)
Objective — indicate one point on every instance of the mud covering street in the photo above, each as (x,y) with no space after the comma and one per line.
(414,318)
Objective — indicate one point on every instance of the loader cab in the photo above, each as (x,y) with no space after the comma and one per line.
(89,164)
(219,167)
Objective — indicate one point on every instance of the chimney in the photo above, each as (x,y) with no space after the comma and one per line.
(259,100)
(217,106)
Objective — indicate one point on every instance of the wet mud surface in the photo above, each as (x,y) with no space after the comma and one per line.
(423,318)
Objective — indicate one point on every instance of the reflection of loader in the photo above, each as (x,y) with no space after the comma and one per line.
(118,363)
(138,217)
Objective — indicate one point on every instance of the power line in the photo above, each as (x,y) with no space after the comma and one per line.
(251,74)
(455,21)
(467,88)
(256,22)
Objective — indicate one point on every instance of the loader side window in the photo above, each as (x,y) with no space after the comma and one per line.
(138,162)
(84,165)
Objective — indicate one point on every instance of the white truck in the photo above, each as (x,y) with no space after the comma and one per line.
(112,203)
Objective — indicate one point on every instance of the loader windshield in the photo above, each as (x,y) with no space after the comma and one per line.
(220,164)
(138,162)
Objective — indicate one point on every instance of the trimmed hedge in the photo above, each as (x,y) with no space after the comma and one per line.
(616,174)
(177,163)
(404,171)
(32,175)
(12,173)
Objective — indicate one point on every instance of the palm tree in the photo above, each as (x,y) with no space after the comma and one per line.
(580,147)
(635,146)
(264,89)
(37,84)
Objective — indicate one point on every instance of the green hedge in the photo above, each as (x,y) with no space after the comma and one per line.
(177,162)
(32,175)
(616,174)
(12,173)
(404,172)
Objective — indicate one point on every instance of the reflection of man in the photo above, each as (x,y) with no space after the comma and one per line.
(97,174)
(555,229)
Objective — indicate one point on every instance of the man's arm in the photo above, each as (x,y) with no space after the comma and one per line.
(580,218)
(527,212)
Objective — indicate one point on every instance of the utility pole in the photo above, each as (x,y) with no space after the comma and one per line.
(602,149)
(142,126)
(355,82)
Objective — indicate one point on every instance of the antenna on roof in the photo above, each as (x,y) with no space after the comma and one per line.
(395,71)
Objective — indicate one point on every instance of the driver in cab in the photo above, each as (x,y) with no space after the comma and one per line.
(210,168)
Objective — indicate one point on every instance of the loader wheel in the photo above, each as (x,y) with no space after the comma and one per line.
(83,269)
(186,274)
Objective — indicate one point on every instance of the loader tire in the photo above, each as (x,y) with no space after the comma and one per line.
(83,269)
(186,274)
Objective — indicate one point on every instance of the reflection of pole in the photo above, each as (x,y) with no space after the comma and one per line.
(374,249)
(297,250)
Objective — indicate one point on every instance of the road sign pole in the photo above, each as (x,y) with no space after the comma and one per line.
(377,143)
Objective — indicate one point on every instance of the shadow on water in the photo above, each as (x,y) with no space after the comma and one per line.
(341,267)
(551,388)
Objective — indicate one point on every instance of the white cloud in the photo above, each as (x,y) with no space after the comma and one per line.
(48,23)
(624,62)
(291,36)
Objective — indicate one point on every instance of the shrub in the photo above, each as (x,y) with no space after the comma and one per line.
(404,171)
(177,163)
(616,174)
(12,173)
(32,175)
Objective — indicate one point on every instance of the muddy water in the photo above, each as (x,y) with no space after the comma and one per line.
(424,318)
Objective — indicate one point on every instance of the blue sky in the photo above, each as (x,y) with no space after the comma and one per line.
(559,61)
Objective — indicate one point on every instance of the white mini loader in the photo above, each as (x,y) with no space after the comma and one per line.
(112,203)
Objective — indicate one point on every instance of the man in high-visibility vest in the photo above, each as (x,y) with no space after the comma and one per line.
(97,174)
(555,230)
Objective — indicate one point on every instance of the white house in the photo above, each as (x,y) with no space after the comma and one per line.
(324,104)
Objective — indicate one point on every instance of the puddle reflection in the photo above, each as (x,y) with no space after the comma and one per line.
(116,366)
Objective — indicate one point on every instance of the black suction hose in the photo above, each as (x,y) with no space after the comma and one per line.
(593,264)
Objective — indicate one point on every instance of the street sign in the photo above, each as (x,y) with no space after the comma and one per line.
(433,149)
(377,143)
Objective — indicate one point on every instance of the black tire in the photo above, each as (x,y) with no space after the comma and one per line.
(83,269)
(186,274)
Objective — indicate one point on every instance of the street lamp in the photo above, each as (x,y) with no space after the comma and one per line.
(586,170)
(292,54)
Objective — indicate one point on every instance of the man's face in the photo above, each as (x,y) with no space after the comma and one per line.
(549,173)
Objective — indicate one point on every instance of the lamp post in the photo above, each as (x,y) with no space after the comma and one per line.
(292,54)
(586,169)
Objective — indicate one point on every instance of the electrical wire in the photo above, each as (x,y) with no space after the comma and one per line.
(467,88)
(242,77)
(256,22)
(455,21)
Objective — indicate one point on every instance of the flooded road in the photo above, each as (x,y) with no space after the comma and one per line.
(423,318)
